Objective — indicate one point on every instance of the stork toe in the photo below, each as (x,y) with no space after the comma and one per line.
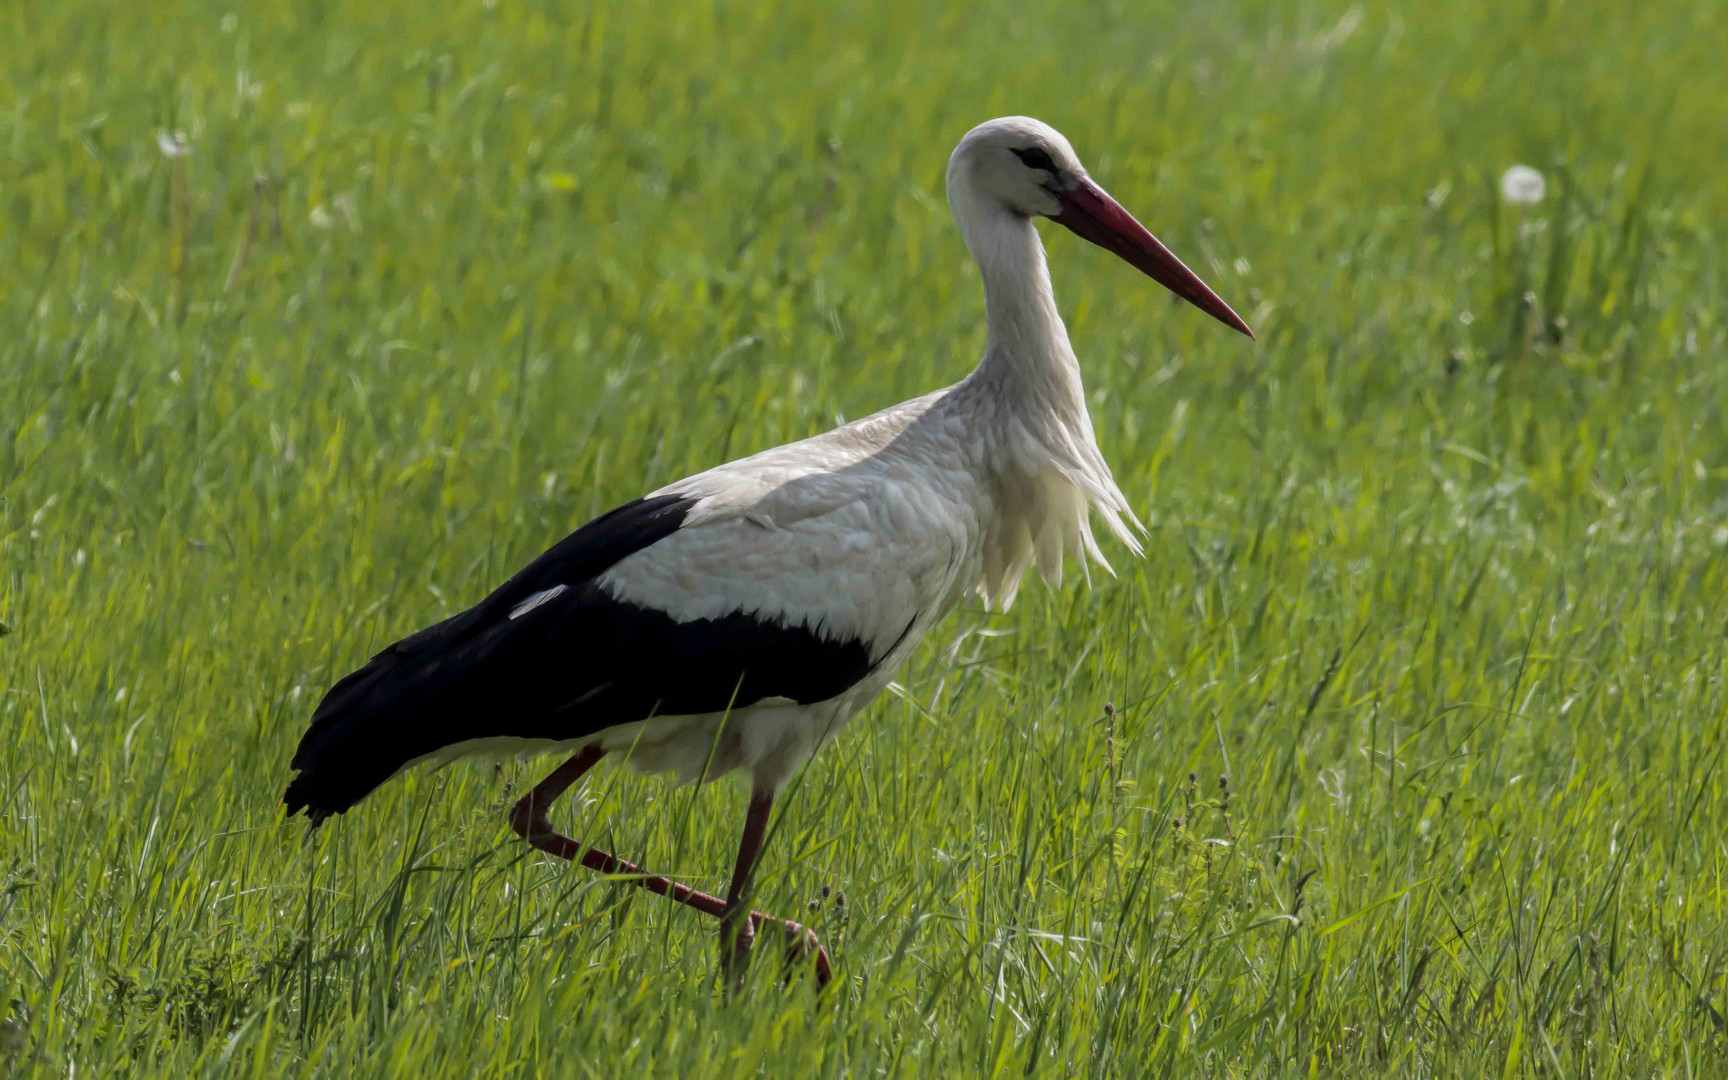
(802,945)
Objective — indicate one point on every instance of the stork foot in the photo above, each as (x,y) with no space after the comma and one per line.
(737,942)
(737,933)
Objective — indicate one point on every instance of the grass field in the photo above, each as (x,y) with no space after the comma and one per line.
(1416,763)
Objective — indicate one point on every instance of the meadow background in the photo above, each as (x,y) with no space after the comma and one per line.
(1415,761)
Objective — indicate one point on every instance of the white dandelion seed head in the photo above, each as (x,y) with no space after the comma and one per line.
(320,217)
(1522,186)
(173,144)
(349,208)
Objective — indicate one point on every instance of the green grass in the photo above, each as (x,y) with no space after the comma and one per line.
(1436,574)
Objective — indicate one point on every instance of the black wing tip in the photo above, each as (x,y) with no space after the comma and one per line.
(302,794)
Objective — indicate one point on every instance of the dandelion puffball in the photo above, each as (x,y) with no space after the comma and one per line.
(173,144)
(1521,185)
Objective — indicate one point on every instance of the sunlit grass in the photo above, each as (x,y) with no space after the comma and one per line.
(319,319)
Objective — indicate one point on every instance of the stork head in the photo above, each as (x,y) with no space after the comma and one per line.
(1025,167)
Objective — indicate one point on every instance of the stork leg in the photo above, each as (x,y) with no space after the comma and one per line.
(737,941)
(528,818)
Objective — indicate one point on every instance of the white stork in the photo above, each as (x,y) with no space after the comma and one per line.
(738,618)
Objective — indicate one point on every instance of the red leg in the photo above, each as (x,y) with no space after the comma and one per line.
(528,818)
(737,941)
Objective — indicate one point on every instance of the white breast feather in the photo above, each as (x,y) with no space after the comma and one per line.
(1051,476)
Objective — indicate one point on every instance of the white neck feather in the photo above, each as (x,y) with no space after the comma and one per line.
(1044,458)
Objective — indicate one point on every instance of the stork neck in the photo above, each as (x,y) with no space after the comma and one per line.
(1027,348)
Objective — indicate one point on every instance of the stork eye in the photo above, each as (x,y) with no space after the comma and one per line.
(1036,158)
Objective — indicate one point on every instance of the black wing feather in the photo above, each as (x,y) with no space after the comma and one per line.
(577,664)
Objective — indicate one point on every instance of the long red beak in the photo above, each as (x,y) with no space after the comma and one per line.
(1095,216)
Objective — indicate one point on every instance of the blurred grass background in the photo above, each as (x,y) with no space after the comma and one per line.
(319,319)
